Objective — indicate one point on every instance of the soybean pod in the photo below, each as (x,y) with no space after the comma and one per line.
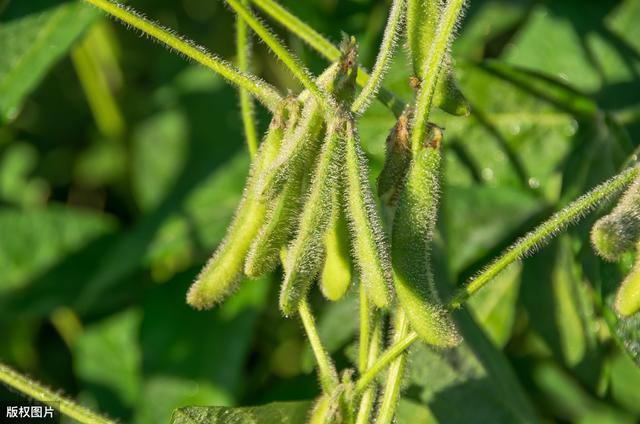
(335,277)
(225,268)
(396,161)
(619,232)
(627,300)
(369,246)
(306,252)
(413,228)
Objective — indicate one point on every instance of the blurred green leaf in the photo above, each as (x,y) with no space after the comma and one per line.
(495,307)
(107,354)
(161,395)
(35,239)
(34,35)
(277,412)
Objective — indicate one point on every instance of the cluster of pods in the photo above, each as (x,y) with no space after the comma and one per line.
(618,233)
(308,205)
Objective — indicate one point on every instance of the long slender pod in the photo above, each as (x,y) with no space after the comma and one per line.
(306,252)
(413,229)
(335,277)
(225,268)
(368,241)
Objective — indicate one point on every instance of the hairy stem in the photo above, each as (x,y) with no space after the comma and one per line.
(394,376)
(328,375)
(294,65)
(536,238)
(363,343)
(398,347)
(243,46)
(431,71)
(42,394)
(369,396)
(264,92)
(383,60)
(324,47)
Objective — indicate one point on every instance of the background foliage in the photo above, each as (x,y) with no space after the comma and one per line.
(121,164)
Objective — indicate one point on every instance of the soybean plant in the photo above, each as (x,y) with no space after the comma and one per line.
(309,211)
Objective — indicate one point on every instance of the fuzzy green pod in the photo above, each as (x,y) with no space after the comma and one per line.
(298,151)
(413,229)
(619,232)
(323,411)
(306,252)
(276,230)
(627,300)
(335,277)
(396,161)
(368,243)
(225,268)
(422,23)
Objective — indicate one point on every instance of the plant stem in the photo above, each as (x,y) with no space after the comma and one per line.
(536,238)
(394,376)
(368,397)
(264,92)
(324,47)
(294,65)
(521,248)
(243,49)
(383,60)
(363,344)
(95,85)
(326,369)
(399,346)
(42,394)
(431,71)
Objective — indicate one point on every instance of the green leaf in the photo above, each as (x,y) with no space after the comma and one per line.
(277,412)
(34,35)
(108,354)
(35,239)
(162,394)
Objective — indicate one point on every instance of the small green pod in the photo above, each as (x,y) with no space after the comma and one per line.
(335,277)
(619,232)
(368,242)
(628,296)
(413,229)
(422,23)
(306,252)
(225,268)
(396,162)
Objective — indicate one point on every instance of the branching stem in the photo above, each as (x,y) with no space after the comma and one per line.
(326,369)
(261,90)
(324,47)
(391,392)
(42,394)
(291,62)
